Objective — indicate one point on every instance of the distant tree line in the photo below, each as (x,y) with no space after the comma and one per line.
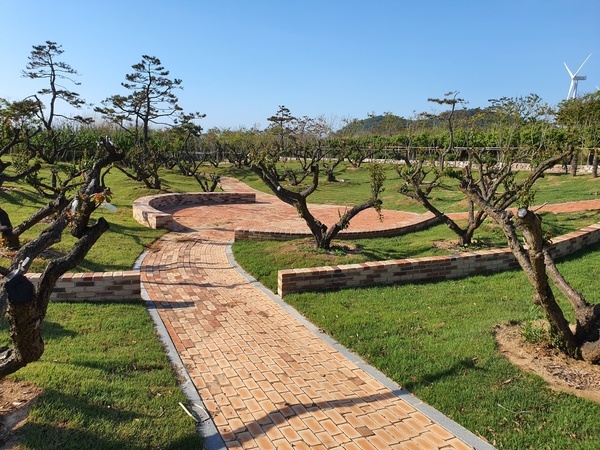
(154,132)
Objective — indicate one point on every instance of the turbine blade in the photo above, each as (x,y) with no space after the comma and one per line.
(568,70)
(583,64)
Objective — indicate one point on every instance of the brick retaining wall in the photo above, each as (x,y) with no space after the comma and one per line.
(149,210)
(421,269)
(125,285)
(95,286)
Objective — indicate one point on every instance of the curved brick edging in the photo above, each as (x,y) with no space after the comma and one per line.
(274,234)
(422,269)
(149,210)
(125,285)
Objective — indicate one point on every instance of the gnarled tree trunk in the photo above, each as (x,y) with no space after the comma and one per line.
(323,235)
(538,265)
(25,304)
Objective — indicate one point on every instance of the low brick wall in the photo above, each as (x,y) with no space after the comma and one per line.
(575,241)
(95,286)
(150,210)
(125,285)
(421,269)
(274,234)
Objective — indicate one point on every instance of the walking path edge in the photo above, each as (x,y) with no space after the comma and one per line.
(453,427)
(205,425)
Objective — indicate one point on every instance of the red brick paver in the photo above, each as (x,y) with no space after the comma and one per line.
(260,373)
(265,378)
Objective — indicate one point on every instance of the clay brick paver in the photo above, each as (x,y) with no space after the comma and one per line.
(265,378)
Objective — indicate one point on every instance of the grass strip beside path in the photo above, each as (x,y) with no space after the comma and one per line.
(265,258)
(107,383)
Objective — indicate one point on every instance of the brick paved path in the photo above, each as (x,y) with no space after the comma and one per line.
(268,380)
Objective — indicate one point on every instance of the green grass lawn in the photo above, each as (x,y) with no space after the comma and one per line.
(107,383)
(353,187)
(437,240)
(118,248)
(436,339)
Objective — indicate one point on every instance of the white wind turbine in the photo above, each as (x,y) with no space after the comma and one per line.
(574,79)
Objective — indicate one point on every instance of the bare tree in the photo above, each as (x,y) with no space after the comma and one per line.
(237,146)
(322,235)
(539,267)
(191,154)
(490,171)
(450,98)
(24,304)
(15,128)
(296,140)
(335,155)
(580,118)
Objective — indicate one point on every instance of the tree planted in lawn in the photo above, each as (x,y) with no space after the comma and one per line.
(49,135)
(16,128)
(190,152)
(56,141)
(299,140)
(580,120)
(290,137)
(25,304)
(490,169)
(539,267)
(450,98)
(322,234)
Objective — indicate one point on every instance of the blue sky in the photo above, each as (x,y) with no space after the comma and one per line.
(240,59)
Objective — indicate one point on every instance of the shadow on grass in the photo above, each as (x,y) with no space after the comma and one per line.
(579,253)
(18,197)
(76,432)
(55,331)
(115,366)
(458,368)
(373,253)
(139,235)
(51,331)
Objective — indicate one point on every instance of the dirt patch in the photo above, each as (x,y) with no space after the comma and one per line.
(477,245)
(448,244)
(335,255)
(16,399)
(559,371)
